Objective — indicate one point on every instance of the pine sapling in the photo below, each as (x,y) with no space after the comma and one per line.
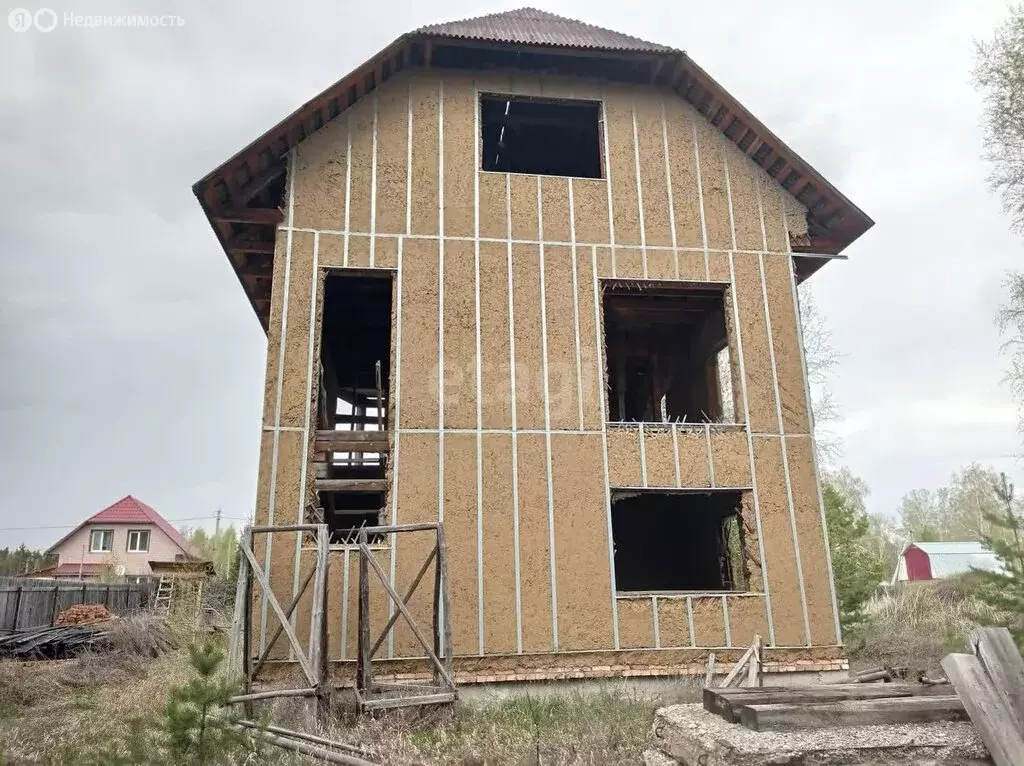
(1004,589)
(198,730)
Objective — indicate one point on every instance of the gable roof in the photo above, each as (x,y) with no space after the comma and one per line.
(242,197)
(530,26)
(129,510)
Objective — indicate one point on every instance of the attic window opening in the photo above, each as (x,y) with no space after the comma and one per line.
(668,353)
(540,136)
(101,540)
(678,541)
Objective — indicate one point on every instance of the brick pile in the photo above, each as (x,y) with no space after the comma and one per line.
(84,614)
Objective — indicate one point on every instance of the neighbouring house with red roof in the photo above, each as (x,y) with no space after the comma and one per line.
(128,539)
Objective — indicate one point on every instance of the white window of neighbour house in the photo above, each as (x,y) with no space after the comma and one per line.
(138,540)
(101,540)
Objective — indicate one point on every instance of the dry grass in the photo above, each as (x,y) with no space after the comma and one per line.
(81,711)
(916,626)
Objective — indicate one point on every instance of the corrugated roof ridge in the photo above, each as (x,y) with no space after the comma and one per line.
(524,13)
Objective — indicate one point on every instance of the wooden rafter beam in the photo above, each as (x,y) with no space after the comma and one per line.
(260,215)
(241,196)
(246,245)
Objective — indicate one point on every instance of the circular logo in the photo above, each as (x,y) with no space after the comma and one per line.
(20,20)
(45,19)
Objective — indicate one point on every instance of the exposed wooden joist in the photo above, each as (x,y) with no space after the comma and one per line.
(346,441)
(246,245)
(258,215)
(241,196)
(351,485)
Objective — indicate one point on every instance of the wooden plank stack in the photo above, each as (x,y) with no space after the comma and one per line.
(785,708)
(987,688)
(991,684)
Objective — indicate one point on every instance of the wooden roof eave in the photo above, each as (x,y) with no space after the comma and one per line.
(834,221)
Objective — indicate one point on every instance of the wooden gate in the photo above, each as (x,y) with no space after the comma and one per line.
(312,662)
(375,695)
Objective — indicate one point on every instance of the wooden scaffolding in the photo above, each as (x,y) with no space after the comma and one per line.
(313,660)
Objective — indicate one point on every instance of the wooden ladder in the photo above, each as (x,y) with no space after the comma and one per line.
(164,593)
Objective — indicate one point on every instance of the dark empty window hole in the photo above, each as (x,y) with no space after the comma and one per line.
(540,136)
(678,541)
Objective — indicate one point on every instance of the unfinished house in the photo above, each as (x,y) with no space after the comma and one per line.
(537,281)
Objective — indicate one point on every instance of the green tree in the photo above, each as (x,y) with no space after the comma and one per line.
(1004,590)
(20,560)
(220,547)
(999,76)
(856,564)
(197,731)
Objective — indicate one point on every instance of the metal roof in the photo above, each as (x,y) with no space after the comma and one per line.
(530,26)
(955,558)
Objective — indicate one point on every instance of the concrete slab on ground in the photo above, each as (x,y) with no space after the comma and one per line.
(688,735)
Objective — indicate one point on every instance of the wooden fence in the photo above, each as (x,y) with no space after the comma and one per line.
(35,603)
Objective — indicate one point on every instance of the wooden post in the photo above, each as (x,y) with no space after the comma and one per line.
(245,590)
(436,616)
(318,634)
(17,606)
(84,586)
(442,568)
(106,598)
(56,601)
(364,673)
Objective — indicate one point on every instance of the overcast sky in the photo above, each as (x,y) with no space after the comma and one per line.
(132,362)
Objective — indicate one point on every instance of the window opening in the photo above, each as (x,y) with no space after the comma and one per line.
(101,540)
(540,136)
(668,353)
(355,364)
(678,541)
(138,540)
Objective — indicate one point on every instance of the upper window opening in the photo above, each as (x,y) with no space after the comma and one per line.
(668,354)
(541,136)
(355,364)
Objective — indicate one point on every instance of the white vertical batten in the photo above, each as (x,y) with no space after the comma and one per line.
(348,181)
(547,420)
(639,191)
(781,424)
(711,459)
(810,419)
(344,607)
(373,186)
(725,620)
(440,314)
(304,464)
(479,380)
(397,429)
(575,304)
(272,500)
(598,334)
(689,621)
(668,184)
(408,164)
(700,197)
(656,620)
(515,422)
(643,455)
(675,454)
(608,181)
